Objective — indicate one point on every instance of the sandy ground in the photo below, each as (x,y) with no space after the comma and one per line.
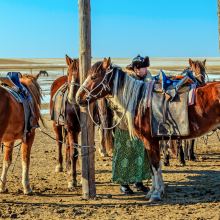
(192,191)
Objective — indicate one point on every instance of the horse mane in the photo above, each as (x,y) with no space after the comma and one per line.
(200,64)
(128,94)
(33,87)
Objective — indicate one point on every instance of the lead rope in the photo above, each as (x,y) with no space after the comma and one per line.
(104,128)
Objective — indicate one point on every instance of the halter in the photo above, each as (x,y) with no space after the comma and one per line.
(104,83)
(105,87)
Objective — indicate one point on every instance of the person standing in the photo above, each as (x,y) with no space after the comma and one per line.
(130,160)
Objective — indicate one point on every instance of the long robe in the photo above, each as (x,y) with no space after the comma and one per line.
(130,160)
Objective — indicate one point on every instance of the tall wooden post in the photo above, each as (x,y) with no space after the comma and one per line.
(219,24)
(87,134)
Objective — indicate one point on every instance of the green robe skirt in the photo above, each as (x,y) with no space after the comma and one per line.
(130,160)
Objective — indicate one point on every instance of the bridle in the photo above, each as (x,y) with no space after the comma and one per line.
(105,87)
(104,83)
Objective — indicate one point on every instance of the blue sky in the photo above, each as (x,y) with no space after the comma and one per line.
(120,28)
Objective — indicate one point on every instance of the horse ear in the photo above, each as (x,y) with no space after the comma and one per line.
(68,60)
(106,62)
(190,62)
(204,62)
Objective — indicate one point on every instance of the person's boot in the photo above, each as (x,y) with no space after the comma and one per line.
(126,190)
(140,187)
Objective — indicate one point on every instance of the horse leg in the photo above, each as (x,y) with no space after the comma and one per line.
(25,157)
(157,188)
(6,164)
(68,160)
(186,149)
(192,156)
(73,156)
(59,140)
(166,155)
(102,146)
(180,152)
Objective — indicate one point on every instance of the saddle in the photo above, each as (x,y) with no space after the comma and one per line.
(59,105)
(169,105)
(12,84)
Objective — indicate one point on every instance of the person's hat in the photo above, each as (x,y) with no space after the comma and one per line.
(139,62)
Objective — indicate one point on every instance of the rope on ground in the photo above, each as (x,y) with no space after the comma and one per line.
(75,145)
(206,137)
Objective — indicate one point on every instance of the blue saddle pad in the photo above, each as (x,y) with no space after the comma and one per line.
(165,80)
(14,76)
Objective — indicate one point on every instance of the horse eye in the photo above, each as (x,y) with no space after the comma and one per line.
(93,77)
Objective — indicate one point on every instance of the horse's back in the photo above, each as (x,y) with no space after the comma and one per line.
(9,118)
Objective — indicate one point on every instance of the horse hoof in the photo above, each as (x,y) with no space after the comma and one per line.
(103,154)
(155,199)
(149,194)
(58,169)
(72,185)
(3,190)
(166,164)
(28,192)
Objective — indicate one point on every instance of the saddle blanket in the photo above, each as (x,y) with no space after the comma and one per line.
(59,104)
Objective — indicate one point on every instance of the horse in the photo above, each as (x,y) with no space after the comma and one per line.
(131,95)
(184,150)
(199,70)
(69,132)
(43,73)
(181,149)
(12,122)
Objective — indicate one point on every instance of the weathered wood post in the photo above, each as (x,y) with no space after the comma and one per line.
(87,134)
(219,24)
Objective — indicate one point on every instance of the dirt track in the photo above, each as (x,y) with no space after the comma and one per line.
(192,192)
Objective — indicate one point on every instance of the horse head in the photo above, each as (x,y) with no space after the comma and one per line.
(73,69)
(97,84)
(72,76)
(199,69)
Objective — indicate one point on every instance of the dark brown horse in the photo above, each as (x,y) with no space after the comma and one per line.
(12,121)
(70,132)
(130,95)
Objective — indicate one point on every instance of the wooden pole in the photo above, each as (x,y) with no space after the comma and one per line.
(219,25)
(87,130)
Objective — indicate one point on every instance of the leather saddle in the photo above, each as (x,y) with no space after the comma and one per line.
(169,105)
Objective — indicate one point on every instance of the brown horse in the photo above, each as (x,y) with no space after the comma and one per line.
(130,95)
(12,122)
(72,125)
(199,70)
